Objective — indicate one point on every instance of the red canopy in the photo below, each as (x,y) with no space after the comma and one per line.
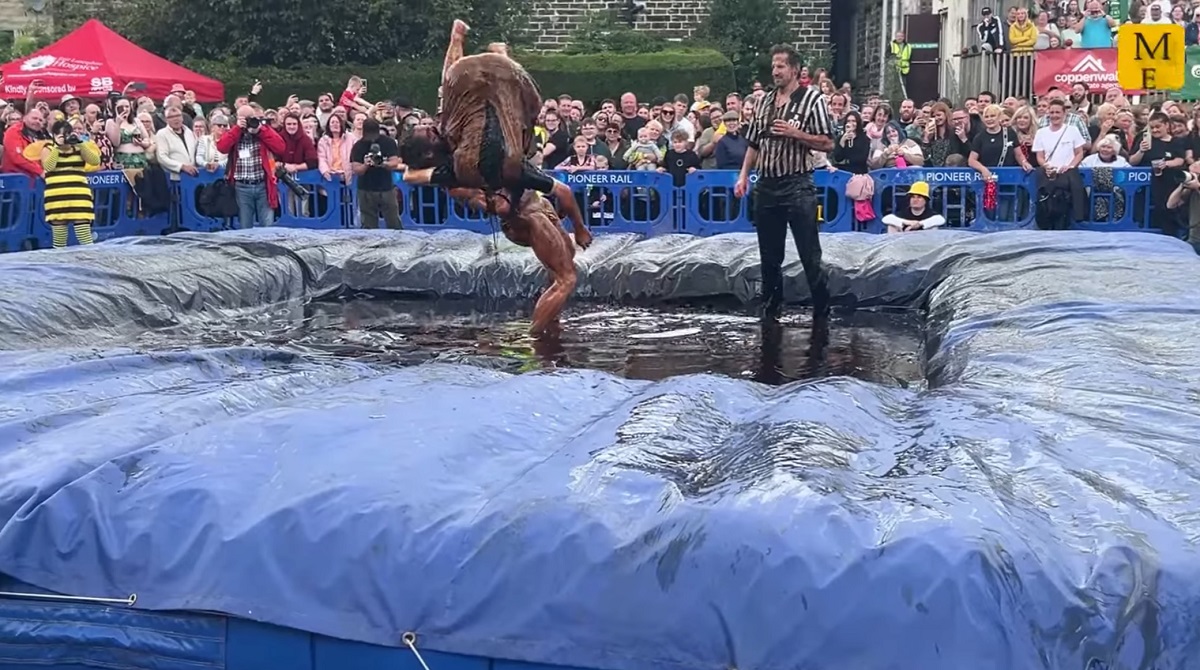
(93,60)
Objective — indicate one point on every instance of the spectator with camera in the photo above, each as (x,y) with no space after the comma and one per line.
(65,159)
(249,146)
(1188,193)
(374,159)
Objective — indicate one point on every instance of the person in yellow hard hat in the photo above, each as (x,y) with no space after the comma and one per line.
(916,214)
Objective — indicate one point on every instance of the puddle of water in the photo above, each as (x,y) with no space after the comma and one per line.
(636,342)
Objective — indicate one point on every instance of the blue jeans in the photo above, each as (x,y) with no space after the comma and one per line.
(252,201)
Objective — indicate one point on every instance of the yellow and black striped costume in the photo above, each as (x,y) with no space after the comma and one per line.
(68,198)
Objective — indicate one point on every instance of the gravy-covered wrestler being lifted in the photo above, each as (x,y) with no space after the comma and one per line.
(488,111)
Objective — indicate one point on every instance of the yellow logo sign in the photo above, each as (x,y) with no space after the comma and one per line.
(1151,57)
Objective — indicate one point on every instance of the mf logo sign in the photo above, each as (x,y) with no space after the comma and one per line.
(1151,57)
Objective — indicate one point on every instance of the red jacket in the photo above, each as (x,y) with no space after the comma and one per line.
(272,143)
(299,150)
(14,160)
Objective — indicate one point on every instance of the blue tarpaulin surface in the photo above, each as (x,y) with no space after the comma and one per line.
(1034,508)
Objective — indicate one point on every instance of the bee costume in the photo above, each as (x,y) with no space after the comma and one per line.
(68,196)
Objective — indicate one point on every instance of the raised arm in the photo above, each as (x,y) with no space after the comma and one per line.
(454,52)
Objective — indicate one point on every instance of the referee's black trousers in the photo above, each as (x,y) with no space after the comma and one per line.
(781,203)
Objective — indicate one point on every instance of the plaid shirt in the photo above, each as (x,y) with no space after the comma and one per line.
(248,165)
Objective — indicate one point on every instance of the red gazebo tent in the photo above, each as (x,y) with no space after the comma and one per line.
(93,60)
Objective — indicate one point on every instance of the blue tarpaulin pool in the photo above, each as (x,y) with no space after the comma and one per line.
(1033,507)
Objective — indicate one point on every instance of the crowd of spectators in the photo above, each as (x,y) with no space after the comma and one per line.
(1079,24)
(1053,134)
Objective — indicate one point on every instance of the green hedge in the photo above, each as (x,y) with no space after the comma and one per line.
(588,77)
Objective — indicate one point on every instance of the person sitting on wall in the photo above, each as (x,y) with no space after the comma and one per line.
(916,214)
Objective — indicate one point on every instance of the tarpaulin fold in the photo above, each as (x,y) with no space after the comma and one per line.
(1034,508)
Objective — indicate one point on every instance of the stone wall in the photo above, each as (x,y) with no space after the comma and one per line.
(15,17)
(866,72)
(556,20)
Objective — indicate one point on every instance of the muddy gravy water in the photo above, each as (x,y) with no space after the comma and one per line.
(637,342)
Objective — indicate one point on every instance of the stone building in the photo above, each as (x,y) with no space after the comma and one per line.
(875,23)
(20,16)
(848,36)
(558,19)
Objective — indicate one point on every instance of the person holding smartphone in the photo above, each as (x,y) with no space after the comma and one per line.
(1165,155)
(127,136)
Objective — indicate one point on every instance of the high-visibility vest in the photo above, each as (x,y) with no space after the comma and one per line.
(903,54)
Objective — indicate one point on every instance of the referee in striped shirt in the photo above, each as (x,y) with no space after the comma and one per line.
(790,123)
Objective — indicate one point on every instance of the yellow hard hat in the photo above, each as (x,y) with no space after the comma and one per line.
(920,188)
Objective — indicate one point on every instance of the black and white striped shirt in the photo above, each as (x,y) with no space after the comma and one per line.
(779,156)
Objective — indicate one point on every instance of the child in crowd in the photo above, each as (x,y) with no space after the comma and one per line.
(644,155)
(680,160)
(352,98)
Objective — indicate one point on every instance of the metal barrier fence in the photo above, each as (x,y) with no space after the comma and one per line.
(640,202)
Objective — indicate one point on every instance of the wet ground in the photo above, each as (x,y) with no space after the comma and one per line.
(640,343)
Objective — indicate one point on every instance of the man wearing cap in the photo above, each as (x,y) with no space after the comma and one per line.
(70,106)
(730,150)
(990,32)
(916,213)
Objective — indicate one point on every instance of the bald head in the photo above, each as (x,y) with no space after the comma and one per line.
(628,104)
(34,119)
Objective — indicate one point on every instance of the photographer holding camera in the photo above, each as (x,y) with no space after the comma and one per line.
(374,159)
(69,199)
(249,144)
(1186,198)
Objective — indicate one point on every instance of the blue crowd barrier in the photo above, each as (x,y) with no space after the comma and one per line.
(647,203)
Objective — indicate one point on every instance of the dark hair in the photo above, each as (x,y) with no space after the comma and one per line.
(988,94)
(61,128)
(793,56)
(340,120)
(1160,117)
(858,122)
(370,126)
(1057,102)
(424,148)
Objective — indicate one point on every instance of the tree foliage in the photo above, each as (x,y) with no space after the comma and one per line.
(589,77)
(745,31)
(603,32)
(284,33)
(27,43)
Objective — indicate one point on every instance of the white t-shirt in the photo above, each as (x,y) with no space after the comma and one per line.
(1067,139)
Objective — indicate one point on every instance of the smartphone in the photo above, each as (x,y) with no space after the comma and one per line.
(137,86)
